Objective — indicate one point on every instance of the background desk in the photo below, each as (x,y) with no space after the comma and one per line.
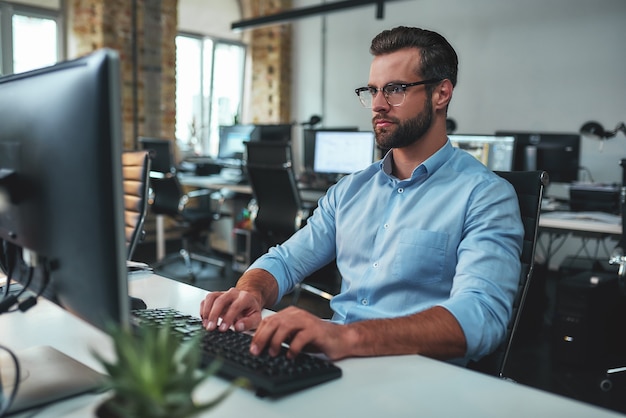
(558,228)
(217,183)
(395,386)
(237,198)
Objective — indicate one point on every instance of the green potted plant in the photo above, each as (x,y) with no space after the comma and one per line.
(154,374)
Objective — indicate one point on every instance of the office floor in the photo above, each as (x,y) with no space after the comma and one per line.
(533,360)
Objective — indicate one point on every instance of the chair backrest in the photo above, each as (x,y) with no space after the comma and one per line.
(161,152)
(270,172)
(529,186)
(166,194)
(136,175)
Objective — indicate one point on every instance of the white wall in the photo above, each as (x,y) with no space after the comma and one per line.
(545,65)
(209,17)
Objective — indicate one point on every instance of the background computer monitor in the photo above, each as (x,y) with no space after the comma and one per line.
(60,159)
(343,152)
(495,152)
(556,153)
(232,139)
(308,144)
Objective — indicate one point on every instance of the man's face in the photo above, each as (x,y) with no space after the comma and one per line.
(399,126)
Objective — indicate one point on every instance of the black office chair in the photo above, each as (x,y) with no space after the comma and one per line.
(281,211)
(194,222)
(529,186)
(190,216)
(136,176)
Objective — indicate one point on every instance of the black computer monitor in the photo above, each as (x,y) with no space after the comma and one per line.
(161,154)
(343,152)
(61,175)
(232,139)
(308,144)
(556,153)
(494,151)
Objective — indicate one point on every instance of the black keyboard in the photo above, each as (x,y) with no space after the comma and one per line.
(270,376)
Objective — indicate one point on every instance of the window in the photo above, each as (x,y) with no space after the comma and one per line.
(29,38)
(209,91)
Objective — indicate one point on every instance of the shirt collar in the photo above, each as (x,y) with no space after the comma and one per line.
(427,168)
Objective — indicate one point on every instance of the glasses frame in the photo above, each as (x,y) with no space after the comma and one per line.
(374,91)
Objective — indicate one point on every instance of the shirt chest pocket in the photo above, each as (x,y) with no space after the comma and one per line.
(420,256)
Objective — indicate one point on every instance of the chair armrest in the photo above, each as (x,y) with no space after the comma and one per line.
(197,193)
(301,217)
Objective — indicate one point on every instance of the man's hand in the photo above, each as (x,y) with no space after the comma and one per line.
(240,307)
(237,308)
(300,329)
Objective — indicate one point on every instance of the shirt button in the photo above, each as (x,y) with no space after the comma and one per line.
(386,226)
(364,302)
(375,264)
(400,190)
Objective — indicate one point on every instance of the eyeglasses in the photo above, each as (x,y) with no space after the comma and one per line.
(394,92)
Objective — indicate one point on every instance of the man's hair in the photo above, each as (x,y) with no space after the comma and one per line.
(438,58)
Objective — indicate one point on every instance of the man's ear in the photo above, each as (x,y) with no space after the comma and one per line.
(442,94)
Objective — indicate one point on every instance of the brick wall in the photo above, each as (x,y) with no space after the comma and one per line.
(148,105)
(270,47)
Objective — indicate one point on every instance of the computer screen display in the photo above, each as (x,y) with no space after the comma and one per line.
(308,144)
(556,153)
(343,152)
(62,216)
(495,152)
(232,139)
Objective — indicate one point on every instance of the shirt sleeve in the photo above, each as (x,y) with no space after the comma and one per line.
(310,248)
(488,269)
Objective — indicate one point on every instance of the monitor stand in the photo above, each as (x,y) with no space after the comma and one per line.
(46,375)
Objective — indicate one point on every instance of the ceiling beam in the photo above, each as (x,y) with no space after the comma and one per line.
(292,14)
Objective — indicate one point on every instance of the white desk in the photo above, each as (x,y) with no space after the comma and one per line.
(560,227)
(399,386)
(580,223)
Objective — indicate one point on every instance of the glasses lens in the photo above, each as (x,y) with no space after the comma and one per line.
(394,93)
(365,96)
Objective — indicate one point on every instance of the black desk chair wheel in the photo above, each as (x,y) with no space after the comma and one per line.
(529,187)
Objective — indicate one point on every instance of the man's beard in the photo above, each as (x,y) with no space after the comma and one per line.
(407,132)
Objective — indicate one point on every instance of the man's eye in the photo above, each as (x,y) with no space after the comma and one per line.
(393,89)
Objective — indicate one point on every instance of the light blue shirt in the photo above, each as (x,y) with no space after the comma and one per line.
(451,235)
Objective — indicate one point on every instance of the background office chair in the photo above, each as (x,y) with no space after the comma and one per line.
(191,212)
(529,186)
(194,222)
(136,176)
(281,211)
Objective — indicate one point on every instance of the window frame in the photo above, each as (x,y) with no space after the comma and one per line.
(209,143)
(7,11)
